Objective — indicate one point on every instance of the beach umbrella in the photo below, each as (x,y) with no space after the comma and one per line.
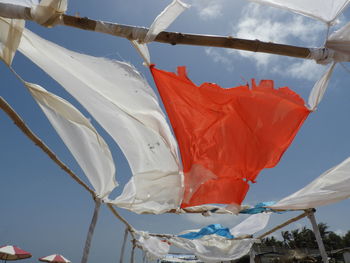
(55,258)
(13,253)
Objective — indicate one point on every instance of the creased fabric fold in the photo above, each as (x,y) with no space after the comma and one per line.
(330,187)
(121,100)
(227,136)
(86,145)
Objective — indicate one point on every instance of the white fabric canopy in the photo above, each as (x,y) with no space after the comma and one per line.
(26,3)
(120,99)
(332,186)
(320,88)
(251,225)
(48,10)
(214,248)
(323,10)
(11,29)
(81,138)
(339,41)
(162,21)
(165,18)
(154,247)
(10,36)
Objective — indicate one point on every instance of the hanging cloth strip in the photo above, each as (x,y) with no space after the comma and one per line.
(227,136)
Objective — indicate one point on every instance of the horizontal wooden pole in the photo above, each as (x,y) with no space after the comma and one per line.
(294,219)
(174,38)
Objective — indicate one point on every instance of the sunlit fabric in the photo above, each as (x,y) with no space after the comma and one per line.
(227,136)
(121,100)
(48,11)
(251,225)
(10,36)
(165,18)
(86,145)
(154,247)
(26,3)
(323,10)
(330,187)
(339,41)
(214,248)
(320,88)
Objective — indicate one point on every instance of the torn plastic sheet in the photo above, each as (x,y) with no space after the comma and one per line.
(251,225)
(330,187)
(132,116)
(214,248)
(227,136)
(154,247)
(86,145)
(161,22)
(10,37)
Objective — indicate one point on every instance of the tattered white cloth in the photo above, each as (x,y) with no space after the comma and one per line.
(332,186)
(81,138)
(251,225)
(26,3)
(10,36)
(121,100)
(154,247)
(11,29)
(215,248)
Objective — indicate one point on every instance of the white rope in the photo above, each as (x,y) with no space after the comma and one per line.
(123,246)
(91,231)
(132,258)
(322,55)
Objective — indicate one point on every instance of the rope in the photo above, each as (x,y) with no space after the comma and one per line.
(130,228)
(132,258)
(91,231)
(123,246)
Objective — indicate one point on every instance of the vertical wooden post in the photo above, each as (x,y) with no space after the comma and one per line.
(317,233)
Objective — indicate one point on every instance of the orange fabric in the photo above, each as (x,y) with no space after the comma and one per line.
(227,136)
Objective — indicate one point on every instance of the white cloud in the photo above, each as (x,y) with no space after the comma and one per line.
(273,25)
(218,57)
(306,69)
(208,9)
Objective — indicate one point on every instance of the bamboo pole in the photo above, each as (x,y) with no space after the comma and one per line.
(173,38)
(285,224)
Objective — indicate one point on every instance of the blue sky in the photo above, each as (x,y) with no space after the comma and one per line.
(44,211)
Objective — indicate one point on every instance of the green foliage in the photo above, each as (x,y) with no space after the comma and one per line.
(305,238)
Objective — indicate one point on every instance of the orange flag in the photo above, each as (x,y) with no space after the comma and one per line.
(227,136)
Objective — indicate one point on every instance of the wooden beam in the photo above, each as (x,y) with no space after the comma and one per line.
(306,213)
(175,38)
